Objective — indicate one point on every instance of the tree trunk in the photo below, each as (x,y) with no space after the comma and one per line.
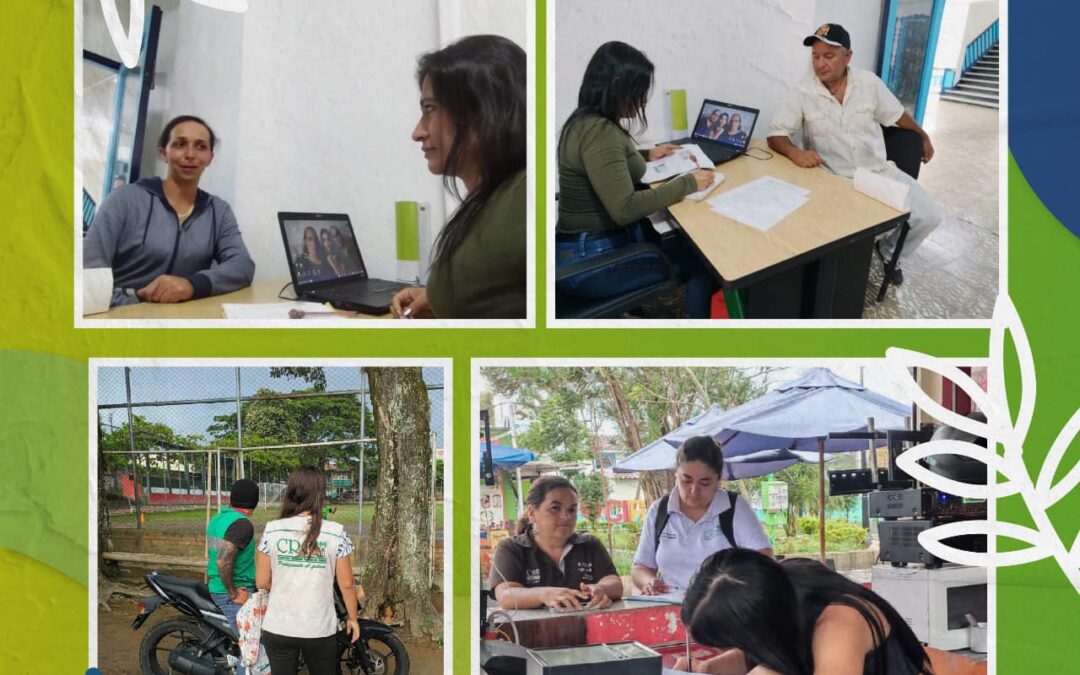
(654,484)
(395,574)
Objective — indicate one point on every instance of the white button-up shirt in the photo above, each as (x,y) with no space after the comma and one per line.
(846,136)
(684,544)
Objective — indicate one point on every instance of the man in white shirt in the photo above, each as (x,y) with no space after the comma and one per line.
(840,111)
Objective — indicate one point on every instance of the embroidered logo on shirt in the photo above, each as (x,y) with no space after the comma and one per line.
(584,568)
(713,533)
(532,576)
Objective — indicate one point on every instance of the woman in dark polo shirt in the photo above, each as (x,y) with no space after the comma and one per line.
(547,563)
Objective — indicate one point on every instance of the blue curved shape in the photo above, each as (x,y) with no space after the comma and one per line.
(1044,102)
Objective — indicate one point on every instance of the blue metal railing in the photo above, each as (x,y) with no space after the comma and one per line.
(980,45)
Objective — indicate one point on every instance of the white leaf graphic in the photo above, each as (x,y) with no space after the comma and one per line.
(1006,320)
(1048,493)
(907,461)
(128,44)
(899,360)
(1040,548)
(238,6)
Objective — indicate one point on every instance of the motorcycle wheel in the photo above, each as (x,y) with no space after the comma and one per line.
(386,654)
(166,636)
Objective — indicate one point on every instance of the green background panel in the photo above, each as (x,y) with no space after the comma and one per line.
(43,368)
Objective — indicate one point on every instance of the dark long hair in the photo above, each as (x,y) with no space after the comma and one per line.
(701,449)
(616,84)
(743,599)
(537,492)
(306,491)
(480,82)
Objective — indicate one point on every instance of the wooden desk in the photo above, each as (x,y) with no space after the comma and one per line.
(210,308)
(812,264)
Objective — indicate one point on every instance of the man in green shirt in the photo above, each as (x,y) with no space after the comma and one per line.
(230,565)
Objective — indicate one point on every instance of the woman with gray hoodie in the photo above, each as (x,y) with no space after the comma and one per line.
(164,238)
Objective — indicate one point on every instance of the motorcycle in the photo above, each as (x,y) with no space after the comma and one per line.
(204,642)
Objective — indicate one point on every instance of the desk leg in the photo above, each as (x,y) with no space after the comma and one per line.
(825,287)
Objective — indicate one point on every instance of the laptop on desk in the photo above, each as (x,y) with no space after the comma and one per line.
(722,130)
(326,265)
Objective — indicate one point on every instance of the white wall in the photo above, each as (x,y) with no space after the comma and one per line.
(751,53)
(314,105)
(961,22)
(862,20)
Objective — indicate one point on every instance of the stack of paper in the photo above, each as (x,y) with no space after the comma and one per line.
(760,203)
(687,158)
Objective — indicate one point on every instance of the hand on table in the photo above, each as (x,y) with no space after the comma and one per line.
(662,150)
(564,598)
(655,587)
(599,599)
(699,665)
(167,288)
(410,303)
(807,159)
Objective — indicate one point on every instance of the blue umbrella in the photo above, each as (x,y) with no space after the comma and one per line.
(505,457)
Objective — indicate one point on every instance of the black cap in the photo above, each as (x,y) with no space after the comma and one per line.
(244,495)
(831,34)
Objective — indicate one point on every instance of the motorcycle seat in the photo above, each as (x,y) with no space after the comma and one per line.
(197,591)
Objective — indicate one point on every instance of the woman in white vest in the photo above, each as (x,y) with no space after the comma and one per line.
(696,519)
(298,560)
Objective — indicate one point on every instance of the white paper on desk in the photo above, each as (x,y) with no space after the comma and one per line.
(882,188)
(687,158)
(276,310)
(671,598)
(761,203)
(96,290)
(662,222)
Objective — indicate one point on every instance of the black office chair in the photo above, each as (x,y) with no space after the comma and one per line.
(904,148)
(570,306)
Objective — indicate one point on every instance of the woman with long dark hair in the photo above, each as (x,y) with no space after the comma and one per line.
(298,560)
(694,520)
(472,128)
(600,208)
(796,617)
(547,563)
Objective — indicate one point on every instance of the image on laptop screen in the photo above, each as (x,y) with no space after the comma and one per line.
(322,250)
(720,123)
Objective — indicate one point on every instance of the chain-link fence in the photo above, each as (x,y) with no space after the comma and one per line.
(172,440)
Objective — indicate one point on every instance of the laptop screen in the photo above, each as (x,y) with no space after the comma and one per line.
(321,247)
(725,123)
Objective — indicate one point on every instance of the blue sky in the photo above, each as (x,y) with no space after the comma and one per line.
(188,383)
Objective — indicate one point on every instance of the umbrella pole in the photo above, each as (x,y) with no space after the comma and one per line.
(821,497)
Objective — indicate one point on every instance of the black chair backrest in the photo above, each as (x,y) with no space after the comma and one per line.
(903,147)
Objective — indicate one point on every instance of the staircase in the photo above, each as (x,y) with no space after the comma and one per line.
(979,85)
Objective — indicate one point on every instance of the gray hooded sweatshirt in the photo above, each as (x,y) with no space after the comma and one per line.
(137,233)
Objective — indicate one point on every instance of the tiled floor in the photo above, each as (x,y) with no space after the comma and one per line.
(954,273)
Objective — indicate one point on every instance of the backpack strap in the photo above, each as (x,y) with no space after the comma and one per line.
(727,520)
(660,521)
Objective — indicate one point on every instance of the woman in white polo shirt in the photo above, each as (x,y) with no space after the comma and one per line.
(298,560)
(697,519)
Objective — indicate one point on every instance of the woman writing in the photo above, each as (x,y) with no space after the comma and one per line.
(599,207)
(794,618)
(697,519)
(164,238)
(472,128)
(298,560)
(547,563)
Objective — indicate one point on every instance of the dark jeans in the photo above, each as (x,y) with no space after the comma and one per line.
(688,268)
(320,654)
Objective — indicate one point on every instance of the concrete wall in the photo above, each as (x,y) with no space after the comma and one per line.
(750,53)
(961,22)
(314,105)
(862,20)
